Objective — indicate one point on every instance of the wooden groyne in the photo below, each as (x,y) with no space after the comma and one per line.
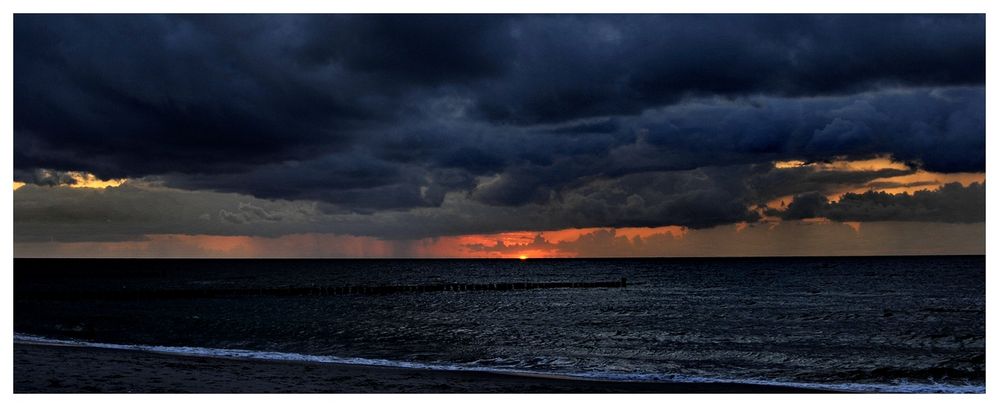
(307,291)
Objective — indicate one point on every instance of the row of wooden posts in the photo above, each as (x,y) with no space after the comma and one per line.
(311,290)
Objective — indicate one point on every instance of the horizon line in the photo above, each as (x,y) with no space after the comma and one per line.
(510,258)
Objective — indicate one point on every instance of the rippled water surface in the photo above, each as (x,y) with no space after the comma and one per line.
(885,323)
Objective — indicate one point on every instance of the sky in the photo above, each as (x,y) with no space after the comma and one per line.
(498,135)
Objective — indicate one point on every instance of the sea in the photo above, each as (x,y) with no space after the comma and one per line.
(857,324)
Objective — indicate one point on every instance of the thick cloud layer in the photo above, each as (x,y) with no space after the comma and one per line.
(699,198)
(950,203)
(536,121)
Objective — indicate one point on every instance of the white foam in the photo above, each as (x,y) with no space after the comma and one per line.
(900,387)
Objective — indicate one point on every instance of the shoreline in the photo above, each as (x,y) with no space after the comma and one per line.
(61,368)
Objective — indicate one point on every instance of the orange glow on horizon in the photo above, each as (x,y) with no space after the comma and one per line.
(88,180)
(82,180)
(873,164)
(512,245)
(909,183)
(533,244)
(917,181)
(789,164)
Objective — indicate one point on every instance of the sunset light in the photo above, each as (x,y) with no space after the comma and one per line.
(655,203)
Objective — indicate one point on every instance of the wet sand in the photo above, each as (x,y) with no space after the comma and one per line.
(65,369)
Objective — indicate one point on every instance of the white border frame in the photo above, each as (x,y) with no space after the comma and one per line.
(471,6)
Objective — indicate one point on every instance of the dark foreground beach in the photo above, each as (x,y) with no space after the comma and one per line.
(65,369)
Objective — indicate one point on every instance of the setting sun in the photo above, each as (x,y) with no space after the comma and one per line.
(324,203)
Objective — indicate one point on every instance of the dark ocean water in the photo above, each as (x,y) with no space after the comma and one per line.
(862,324)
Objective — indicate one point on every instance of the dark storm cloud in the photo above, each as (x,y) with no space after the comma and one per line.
(697,199)
(768,183)
(941,129)
(950,203)
(579,66)
(44,177)
(125,96)
(410,50)
(924,127)
(367,114)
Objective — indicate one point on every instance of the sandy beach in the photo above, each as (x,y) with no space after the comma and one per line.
(64,369)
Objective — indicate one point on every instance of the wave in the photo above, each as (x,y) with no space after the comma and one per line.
(896,387)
